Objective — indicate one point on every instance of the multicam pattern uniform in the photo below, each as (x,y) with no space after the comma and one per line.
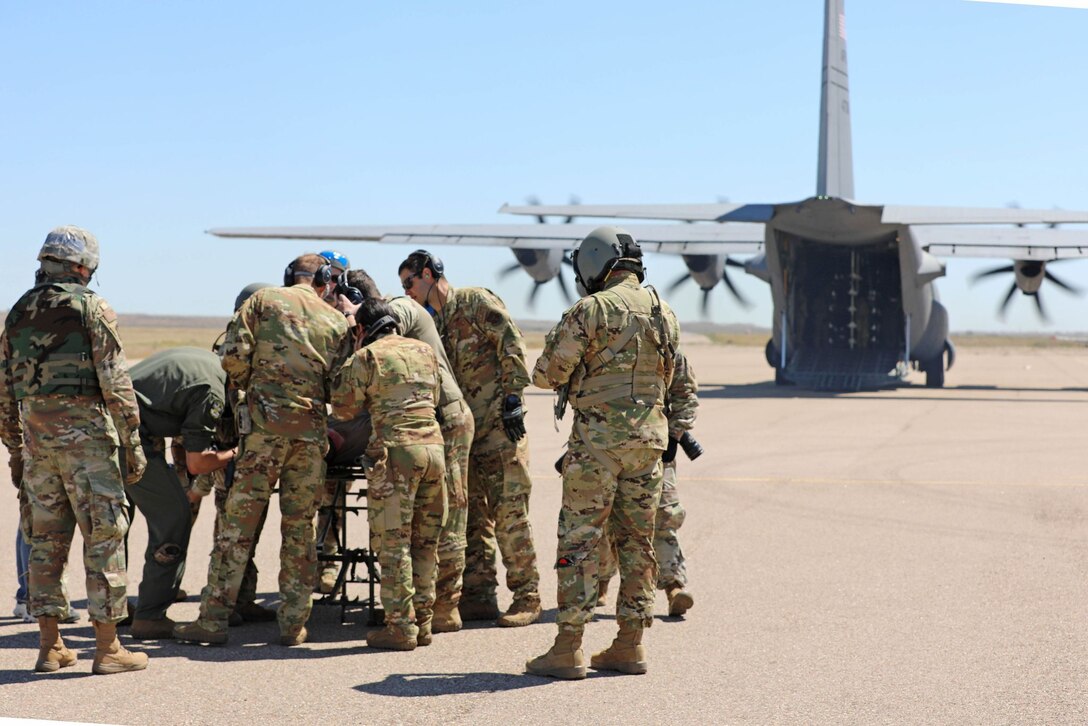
(396,380)
(63,338)
(458,429)
(681,404)
(282,349)
(487,353)
(612,470)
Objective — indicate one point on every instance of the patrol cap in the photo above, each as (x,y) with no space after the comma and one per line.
(247,293)
(71,244)
(600,252)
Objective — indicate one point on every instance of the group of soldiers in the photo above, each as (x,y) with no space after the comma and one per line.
(431,381)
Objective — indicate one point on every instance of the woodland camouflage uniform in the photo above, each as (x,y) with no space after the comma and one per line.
(66,407)
(487,353)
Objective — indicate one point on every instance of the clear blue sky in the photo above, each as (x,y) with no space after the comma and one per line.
(151,122)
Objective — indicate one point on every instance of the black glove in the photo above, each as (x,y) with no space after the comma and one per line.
(559,463)
(513,418)
(670,453)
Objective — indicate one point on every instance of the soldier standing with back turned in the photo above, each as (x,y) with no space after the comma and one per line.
(282,350)
(66,407)
(615,349)
(487,353)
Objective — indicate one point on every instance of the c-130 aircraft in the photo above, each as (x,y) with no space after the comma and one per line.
(855,304)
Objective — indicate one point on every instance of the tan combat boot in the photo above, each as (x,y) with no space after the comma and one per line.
(446,620)
(627,654)
(564,660)
(602,593)
(680,600)
(391,638)
(52,656)
(424,637)
(110,656)
(153,629)
(296,635)
(523,611)
(326,583)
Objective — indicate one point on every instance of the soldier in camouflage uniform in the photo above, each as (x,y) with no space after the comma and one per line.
(66,407)
(182,396)
(281,352)
(487,353)
(455,420)
(395,379)
(615,349)
(681,403)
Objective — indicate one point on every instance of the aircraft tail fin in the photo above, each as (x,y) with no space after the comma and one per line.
(835,172)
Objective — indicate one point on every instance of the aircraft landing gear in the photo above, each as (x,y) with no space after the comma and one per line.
(934,371)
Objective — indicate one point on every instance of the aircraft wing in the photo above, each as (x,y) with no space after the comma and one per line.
(1018,243)
(898,214)
(668,238)
(676,212)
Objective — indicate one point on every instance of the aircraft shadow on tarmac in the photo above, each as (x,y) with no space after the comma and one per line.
(769,389)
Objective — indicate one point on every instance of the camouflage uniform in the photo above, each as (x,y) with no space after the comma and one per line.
(66,406)
(681,403)
(457,431)
(616,350)
(182,394)
(396,380)
(487,354)
(282,349)
(457,426)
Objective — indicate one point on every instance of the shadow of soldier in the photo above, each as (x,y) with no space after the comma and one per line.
(415,685)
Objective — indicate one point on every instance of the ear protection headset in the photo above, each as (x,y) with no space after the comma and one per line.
(432,262)
(385,321)
(321,278)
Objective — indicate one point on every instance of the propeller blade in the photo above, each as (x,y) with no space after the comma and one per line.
(532,293)
(1039,308)
(736,293)
(567,259)
(1062,284)
(704,308)
(563,286)
(678,282)
(733,263)
(534,201)
(995,271)
(574,201)
(1005,302)
(507,270)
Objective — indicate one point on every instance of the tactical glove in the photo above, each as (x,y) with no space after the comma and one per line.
(15,461)
(670,453)
(513,418)
(559,463)
(135,463)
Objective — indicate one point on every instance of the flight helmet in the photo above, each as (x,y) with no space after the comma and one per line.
(605,249)
(71,244)
(247,292)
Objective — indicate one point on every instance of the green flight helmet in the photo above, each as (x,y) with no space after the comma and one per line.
(71,244)
(247,292)
(602,251)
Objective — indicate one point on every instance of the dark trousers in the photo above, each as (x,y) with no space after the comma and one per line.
(161,499)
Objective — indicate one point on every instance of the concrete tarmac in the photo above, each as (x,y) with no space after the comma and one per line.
(904,556)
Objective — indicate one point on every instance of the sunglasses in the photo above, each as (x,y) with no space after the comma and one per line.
(407,283)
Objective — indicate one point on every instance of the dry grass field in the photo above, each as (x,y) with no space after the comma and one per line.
(144,334)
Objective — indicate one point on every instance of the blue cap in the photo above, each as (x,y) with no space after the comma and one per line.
(336,260)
